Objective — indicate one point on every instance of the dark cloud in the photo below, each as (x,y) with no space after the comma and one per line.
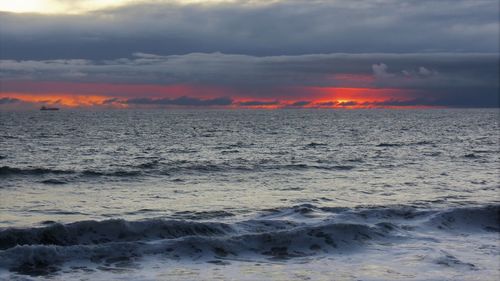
(444,52)
(327,104)
(258,103)
(300,103)
(181,101)
(389,70)
(412,102)
(267,29)
(8,100)
(447,100)
(111,101)
(462,79)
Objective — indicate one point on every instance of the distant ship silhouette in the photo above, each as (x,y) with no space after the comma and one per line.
(48,108)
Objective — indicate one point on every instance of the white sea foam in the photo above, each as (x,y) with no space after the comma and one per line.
(273,235)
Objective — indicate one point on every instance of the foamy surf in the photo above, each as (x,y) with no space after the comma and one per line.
(295,233)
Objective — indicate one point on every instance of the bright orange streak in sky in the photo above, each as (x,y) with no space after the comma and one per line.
(367,94)
(66,100)
(325,97)
(362,97)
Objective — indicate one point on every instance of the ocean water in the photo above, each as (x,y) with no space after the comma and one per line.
(250,195)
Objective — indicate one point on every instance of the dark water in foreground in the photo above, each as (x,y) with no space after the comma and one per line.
(250,195)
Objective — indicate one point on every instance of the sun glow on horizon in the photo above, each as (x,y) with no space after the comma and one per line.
(108,95)
(88,101)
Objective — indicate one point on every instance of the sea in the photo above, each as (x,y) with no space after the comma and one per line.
(290,194)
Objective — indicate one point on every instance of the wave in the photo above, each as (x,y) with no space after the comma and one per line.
(317,167)
(472,156)
(99,232)
(386,144)
(6,171)
(157,168)
(463,219)
(229,167)
(100,242)
(202,215)
(485,218)
(119,173)
(54,181)
(315,145)
(281,233)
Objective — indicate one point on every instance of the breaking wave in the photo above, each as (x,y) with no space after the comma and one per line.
(99,241)
(283,233)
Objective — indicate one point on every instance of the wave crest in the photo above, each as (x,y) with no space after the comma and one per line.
(282,233)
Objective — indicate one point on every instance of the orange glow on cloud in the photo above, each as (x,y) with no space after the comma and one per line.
(355,97)
(366,94)
(116,95)
(66,100)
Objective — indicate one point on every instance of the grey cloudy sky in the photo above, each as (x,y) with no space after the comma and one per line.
(446,47)
(283,28)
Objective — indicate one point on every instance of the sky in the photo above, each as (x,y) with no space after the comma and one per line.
(249,53)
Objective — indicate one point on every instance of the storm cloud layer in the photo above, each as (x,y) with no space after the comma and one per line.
(436,52)
(280,28)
